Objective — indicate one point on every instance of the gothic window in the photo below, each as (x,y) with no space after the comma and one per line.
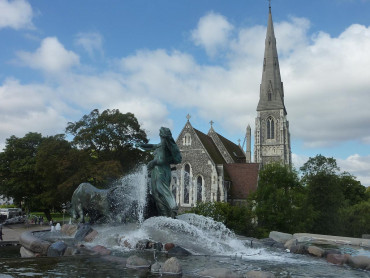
(269,96)
(186,183)
(174,187)
(270,128)
(186,141)
(199,188)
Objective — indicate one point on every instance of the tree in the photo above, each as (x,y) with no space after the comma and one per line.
(324,194)
(354,192)
(279,200)
(357,219)
(109,136)
(19,178)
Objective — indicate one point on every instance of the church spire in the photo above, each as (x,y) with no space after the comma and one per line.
(271,88)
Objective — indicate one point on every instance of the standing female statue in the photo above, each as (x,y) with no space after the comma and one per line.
(165,153)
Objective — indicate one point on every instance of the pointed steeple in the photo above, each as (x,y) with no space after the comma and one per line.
(271,88)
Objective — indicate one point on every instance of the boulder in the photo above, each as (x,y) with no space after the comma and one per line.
(172,266)
(70,251)
(137,262)
(69,229)
(155,245)
(142,244)
(259,274)
(178,251)
(34,244)
(315,251)
(298,249)
(25,253)
(91,236)
(290,243)
(156,268)
(271,243)
(280,237)
(339,259)
(57,249)
(83,230)
(219,273)
(168,246)
(359,262)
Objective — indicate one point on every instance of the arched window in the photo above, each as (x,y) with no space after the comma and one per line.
(199,188)
(270,128)
(174,187)
(186,141)
(186,183)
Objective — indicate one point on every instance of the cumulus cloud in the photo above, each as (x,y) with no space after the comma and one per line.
(212,32)
(50,57)
(92,42)
(16,14)
(29,108)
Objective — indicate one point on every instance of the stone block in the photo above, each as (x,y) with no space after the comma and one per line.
(25,253)
(172,266)
(359,262)
(178,251)
(339,259)
(280,237)
(299,249)
(57,249)
(168,246)
(316,251)
(34,244)
(68,229)
(91,236)
(101,250)
(291,242)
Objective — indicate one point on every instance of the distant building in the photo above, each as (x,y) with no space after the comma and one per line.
(214,168)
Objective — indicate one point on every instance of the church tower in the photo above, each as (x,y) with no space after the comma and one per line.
(272,137)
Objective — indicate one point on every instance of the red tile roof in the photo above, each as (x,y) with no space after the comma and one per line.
(244,178)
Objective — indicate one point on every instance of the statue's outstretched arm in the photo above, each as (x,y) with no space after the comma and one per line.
(147,147)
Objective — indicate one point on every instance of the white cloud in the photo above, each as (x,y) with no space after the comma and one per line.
(92,42)
(212,32)
(16,14)
(30,108)
(50,57)
(357,165)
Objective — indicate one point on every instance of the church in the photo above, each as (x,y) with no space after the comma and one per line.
(215,169)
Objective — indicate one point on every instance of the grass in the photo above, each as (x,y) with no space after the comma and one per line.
(56,216)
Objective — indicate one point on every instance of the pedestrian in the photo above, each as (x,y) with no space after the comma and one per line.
(1,231)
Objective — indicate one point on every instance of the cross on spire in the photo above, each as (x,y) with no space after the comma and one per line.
(269,5)
(211,122)
(188,116)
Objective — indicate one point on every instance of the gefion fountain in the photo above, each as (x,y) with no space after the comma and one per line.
(124,241)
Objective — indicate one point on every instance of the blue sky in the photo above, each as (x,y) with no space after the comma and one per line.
(164,59)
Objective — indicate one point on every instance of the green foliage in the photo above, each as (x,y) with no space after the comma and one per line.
(110,136)
(236,218)
(279,201)
(357,219)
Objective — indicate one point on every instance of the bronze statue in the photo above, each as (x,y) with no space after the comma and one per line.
(165,153)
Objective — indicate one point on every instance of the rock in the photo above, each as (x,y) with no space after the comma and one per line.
(256,244)
(359,262)
(137,262)
(316,251)
(69,229)
(91,236)
(259,274)
(168,246)
(116,260)
(155,245)
(156,268)
(57,249)
(178,251)
(142,244)
(219,273)
(101,250)
(70,251)
(172,266)
(331,251)
(25,253)
(291,242)
(33,243)
(339,259)
(299,249)
(83,230)
(280,237)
